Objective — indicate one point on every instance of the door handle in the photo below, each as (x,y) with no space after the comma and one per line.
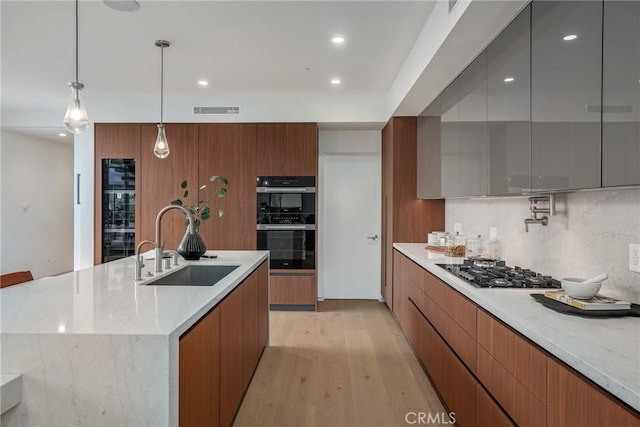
(374,237)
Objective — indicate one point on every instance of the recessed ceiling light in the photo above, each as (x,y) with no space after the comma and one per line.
(203,83)
(508,79)
(62,134)
(338,39)
(335,81)
(569,37)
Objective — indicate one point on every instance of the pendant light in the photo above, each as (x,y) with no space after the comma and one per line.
(76,119)
(161,149)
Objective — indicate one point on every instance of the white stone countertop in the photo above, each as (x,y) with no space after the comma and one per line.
(10,391)
(105,299)
(605,350)
(95,348)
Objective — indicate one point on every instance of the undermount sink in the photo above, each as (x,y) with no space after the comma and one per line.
(195,275)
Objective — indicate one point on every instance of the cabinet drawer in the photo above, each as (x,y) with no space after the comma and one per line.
(573,401)
(488,413)
(292,290)
(514,397)
(415,273)
(459,340)
(460,309)
(454,382)
(519,358)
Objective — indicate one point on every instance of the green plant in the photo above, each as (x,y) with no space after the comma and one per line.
(202,211)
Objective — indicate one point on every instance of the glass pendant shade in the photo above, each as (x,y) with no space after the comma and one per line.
(76,119)
(161,149)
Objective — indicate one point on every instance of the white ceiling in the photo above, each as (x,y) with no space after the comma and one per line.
(262,55)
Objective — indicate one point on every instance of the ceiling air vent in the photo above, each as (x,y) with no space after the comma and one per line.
(216,110)
(451,4)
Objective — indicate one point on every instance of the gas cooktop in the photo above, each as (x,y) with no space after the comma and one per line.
(486,273)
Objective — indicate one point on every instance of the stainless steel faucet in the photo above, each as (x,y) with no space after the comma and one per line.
(139,260)
(191,229)
(535,210)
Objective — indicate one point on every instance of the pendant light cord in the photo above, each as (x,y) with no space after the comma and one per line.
(161,82)
(76,41)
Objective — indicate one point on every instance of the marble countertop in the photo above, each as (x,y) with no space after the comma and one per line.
(605,350)
(105,299)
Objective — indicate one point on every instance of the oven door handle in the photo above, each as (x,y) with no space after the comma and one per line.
(285,189)
(266,227)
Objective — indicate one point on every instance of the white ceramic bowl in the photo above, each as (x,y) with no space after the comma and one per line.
(576,289)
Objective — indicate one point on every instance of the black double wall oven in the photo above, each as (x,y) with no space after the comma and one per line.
(286,220)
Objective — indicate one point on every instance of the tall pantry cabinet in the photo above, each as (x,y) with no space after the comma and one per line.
(405,218)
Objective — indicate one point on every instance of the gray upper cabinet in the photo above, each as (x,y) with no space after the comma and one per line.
(509,107)
(621,94)
(452,138)
(566,61)
(429,164)
(471,157)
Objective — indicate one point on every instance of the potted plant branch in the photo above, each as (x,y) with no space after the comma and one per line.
(192,247)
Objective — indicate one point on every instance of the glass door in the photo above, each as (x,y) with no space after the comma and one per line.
(118,208)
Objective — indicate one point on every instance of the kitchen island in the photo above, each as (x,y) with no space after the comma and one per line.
(606,351)
(96,348)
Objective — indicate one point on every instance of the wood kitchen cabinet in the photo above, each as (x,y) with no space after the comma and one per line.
(456,384)
(251,352)
(114,141)
(287,149)
(405,218)
(566,78)
(232,355)
(621,93)
(521,359)
(199,372)
(161,179)
(219,354)
(572,401)
(263,307)
(293,289)
(229,149)
(488,412)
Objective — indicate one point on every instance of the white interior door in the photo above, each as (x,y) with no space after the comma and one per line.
(350,249)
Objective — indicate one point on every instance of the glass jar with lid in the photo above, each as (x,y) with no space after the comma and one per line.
(475,247)
(455,245)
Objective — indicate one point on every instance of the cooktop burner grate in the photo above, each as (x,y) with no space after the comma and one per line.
(486,273)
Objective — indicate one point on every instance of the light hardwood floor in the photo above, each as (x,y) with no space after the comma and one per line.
(348,364)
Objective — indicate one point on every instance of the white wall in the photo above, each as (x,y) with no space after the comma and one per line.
(37,205)
(340,142)
(589,235)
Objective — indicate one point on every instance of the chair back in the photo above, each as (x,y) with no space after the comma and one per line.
(16,278)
